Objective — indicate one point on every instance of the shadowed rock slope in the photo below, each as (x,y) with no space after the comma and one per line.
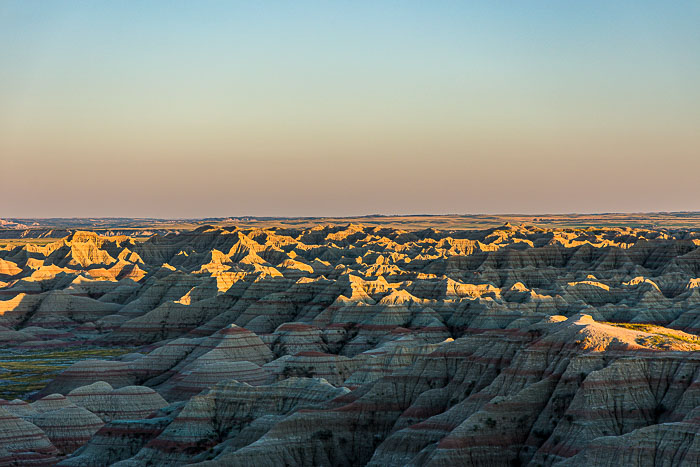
(358,345)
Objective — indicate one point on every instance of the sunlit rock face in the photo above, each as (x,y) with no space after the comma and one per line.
(353,345)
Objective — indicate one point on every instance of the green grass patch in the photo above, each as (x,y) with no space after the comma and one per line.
(22,373)
(659,331)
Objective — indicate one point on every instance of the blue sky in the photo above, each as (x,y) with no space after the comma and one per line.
(182,109)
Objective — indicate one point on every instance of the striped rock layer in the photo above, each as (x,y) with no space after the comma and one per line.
(355,345)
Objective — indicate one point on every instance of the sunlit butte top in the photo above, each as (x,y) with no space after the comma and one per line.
(197,109)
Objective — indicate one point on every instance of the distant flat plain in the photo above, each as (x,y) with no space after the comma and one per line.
(144,227)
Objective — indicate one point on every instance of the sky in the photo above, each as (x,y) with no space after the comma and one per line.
(202,108)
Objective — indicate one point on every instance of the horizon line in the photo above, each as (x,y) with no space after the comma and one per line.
(255,217)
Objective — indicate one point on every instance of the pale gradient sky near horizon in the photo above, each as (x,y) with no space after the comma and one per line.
(203,109)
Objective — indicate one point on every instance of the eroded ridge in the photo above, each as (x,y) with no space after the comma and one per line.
(352,345)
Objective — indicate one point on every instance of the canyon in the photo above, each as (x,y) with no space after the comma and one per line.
(380,342)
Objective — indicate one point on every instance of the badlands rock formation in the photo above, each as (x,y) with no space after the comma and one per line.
(355,345)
